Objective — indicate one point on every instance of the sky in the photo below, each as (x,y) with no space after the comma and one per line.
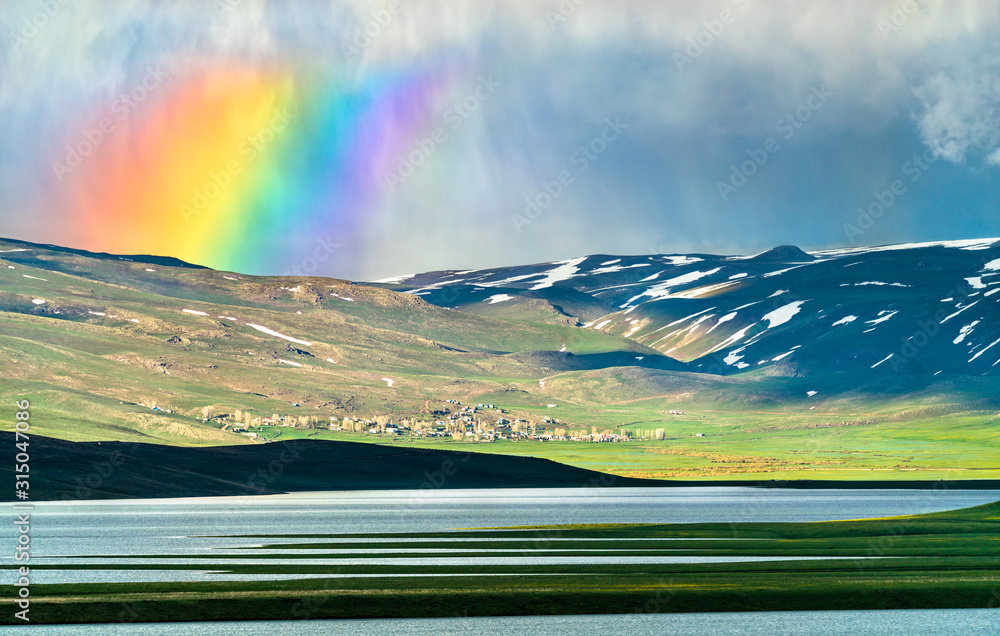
(366,139)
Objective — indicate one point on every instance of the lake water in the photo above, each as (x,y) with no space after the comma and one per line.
(68,532)
(62,532)
(852,623)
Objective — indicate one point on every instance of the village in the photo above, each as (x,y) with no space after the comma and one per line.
(452,420)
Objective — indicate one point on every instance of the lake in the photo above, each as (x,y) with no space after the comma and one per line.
(853,623)
(75,532)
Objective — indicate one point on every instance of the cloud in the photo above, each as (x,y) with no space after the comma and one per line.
(960,112)
(700,82)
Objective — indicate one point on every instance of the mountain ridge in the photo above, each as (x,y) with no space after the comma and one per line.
(713,312)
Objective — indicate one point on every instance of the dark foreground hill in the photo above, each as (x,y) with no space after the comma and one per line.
(62,470)
(79,471)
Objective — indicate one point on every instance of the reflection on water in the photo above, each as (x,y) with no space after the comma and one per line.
(114,529)
(852,623)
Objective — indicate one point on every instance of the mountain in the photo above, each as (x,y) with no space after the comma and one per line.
(103,340)
(918,309)
(821,365)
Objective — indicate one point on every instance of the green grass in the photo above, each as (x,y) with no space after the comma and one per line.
(93,378)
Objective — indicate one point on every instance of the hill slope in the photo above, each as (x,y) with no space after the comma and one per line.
(912,309)
(783,364)
(114,470)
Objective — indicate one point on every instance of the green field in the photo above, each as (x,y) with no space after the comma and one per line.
(957,446)
(115,346)
(939,560)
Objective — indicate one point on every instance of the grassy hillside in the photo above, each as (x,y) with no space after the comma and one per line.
(141,349)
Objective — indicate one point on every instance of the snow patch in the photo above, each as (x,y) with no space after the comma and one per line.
(294,364)
(994,343)
(737,276)
(662,290)
(782,315)
(733,357)
(883,316)
(389,382)
(878,283)
(196,313)
(615,268)
(725,318)
(968,244)
(685,319)
(965,331)
(565,271)
(636,326)
(498,298)
(882,360)
(733,339)
(271,332)
(781,271)
(682,260)
(976,283)
(394,279)
(35,277)
(960,310)
(811,393)
(845,320)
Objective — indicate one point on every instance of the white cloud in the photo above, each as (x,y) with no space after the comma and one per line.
(961,112)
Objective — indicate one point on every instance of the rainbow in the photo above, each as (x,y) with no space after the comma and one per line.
(237,168)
